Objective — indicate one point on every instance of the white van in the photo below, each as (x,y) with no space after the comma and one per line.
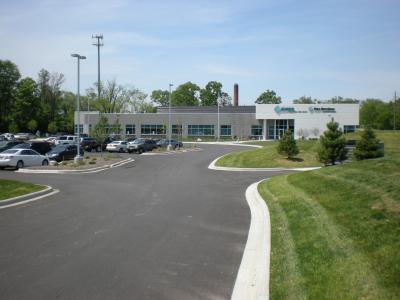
(66,139)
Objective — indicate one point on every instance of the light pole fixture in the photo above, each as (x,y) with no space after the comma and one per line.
(169,119)
(78,158)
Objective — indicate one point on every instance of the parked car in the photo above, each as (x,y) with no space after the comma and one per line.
(90,144)
(20,158)
(66,139)
(117,146)
(164,143)
(5,145)
(8,136)
(63,152)
(39,146)
(141,145)
(24,136)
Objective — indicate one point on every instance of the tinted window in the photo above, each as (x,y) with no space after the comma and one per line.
(25,152)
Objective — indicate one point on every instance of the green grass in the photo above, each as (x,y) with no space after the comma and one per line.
(267,157)
(336,231)
(11,188)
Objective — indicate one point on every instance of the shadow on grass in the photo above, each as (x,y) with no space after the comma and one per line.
(295,159)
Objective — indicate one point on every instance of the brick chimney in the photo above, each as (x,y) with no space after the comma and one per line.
(235,94)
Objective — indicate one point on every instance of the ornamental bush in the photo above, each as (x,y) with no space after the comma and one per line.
(368,146)
(332,145)
(287,145)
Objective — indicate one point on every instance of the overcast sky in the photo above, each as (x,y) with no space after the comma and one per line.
(316,48)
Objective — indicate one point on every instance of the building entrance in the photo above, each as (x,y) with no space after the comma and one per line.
(276,128)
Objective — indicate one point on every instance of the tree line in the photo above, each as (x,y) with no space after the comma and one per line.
(27,104)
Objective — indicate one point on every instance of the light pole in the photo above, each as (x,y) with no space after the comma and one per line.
(78,158)
(169,119)
(98,45)
(218,126)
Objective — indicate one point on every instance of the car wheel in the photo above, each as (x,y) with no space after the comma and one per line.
(45,162)
(121,150)
(140,150)
(98,149)
(129,151)
(20,164)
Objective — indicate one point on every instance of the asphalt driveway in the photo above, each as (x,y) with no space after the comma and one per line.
(163,227)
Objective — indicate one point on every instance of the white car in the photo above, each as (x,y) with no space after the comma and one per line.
(66,139)
(20,158)
(117,146)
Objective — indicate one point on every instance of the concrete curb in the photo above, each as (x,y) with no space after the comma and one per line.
(252,281)
(48,191)
(212,166)
(82,171)
(171,152)
(225,144)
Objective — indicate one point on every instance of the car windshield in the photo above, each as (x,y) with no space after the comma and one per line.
(10,151)
(138,141)
(59,148)
(61,138)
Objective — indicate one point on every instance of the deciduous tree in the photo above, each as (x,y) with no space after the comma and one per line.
(268,97)
(9,76)
(186,94)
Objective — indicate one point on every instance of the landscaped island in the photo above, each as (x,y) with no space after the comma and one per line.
(11,188)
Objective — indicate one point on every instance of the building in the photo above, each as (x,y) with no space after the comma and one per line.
(262,121)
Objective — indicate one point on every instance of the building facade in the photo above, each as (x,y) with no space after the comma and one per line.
(263,121)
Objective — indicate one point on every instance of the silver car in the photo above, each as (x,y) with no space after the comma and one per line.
(117,146)
(20,158)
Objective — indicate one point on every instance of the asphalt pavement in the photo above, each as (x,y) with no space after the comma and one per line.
(162,227)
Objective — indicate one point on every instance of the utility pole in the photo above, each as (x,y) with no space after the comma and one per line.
(394,111)
(98,45)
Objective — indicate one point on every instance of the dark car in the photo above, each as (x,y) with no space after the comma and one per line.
(90,144)
(63,152)
(164,143)
(5,145)
(141,145)
(39,146)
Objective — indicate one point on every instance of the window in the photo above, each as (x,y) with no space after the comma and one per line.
(276,128)
(80,128)
(225,130)
(200,130)
(177,129)
(349,128)
(130,128)
(256,130)
(153,129)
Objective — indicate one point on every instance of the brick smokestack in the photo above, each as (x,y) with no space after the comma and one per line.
(235,94)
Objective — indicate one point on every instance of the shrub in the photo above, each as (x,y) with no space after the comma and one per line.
(333,144)
(368,146)
(287,145)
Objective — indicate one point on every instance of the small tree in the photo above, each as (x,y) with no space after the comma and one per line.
(368,146)
(99,132)
(52,127)
(287,145)
(333,145)
(32,125)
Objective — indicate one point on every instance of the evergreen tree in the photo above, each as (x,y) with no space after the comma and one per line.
(332,145)
(368,146)
(287,145)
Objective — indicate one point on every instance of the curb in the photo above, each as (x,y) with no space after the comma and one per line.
(212,166)
(171,152)
(252,281)
(225,144)
(48,191)
(82,171)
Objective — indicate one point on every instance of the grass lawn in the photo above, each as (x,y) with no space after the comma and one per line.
(267,157)
(336,231)
(10,188)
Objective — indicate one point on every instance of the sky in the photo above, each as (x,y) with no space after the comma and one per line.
(297,48)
